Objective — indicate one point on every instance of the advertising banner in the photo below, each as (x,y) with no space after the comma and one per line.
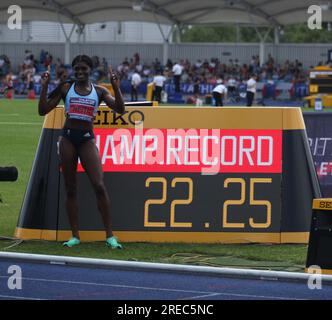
(319,131)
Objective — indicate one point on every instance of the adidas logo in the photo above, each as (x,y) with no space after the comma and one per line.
(87,135)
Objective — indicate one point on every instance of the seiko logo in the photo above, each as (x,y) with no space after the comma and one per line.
(325,205)
(110,117)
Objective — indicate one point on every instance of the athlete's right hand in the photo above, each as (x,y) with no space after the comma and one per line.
(45,78)
(114,78)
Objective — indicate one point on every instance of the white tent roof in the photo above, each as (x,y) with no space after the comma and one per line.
(81,12)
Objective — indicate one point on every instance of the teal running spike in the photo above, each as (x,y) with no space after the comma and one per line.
(113,243)
(72,242)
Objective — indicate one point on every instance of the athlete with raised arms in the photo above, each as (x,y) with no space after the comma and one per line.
(82,99)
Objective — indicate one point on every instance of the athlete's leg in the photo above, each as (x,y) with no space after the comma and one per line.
(68,159)
(91,163)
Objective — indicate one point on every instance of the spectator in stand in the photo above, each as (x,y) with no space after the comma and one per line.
(219,93)
(231,86)
(157,65)
(197,82)
(104,66)
(251,90)
(29,57)
(158,81)
(59,63)
(135,82)
(123,69)
(9,88)
(28,70)
(139,68)
(95,62)
(98,73)
(27,53)
(27,61)
(125,62)
(42,56)
(146,72)
(213,65)
(177,72)
(169,64)
(48,60)
(119,69)
(5,66)
(2,66)
(136,58)
(198,64)
(132,64)
(254,64)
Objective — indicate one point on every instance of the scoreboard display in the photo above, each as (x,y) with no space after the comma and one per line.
(320,80)
(175,174)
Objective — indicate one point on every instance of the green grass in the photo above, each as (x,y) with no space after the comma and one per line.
(312,110)
(274,257)
(20,127)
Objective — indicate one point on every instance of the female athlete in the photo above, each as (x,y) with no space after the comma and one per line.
(82,99)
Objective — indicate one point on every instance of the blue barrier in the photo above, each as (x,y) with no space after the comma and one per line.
(269,91)
(301,90)
(188,88)
(175,98)
(37,88)
(126,87)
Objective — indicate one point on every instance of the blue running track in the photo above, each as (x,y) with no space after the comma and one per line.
(61,282)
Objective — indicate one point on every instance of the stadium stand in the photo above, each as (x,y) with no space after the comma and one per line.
(287,81)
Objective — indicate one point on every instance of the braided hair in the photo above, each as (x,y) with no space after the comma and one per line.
(80,58)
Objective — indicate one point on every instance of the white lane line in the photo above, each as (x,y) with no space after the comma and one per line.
(198,297)
(21,123)
(111,285)
(244,296)
(158,289)
(20,298)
